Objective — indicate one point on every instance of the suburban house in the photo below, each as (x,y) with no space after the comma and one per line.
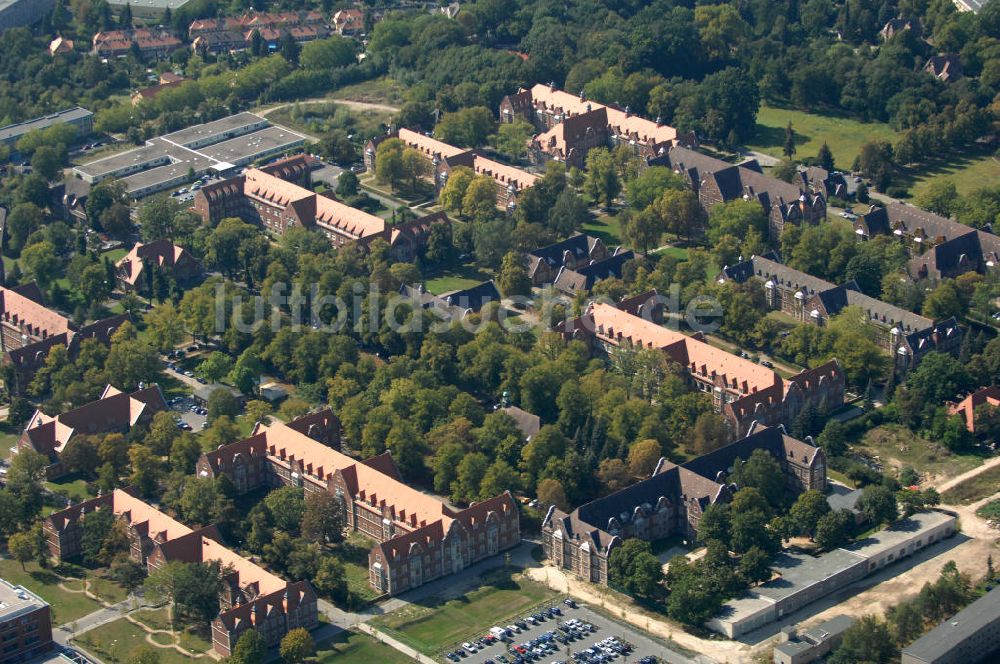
(988,396)
(569,126)
(349,22)
(135,269)
(151,43)
(28,330)
(572,282)
(743,391)
(236,33)
(114,411)
(670,502)
(716,181)
(252,597)
(905,336)
(418,537)
(940,248)
(947,68)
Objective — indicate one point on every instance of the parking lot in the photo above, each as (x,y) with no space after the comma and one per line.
(181,407)
(574,651)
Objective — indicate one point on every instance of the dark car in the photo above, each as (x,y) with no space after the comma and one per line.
(570,603)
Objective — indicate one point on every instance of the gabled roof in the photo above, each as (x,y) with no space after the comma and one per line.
(584,277)
(162,253)
(16,308)
(989,395)
(428,146)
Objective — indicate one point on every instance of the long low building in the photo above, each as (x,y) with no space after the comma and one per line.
(743,391)
(252,597)
(670,502)
(172,160)
(971,635)
(79,118)
(801,579)
(419,538)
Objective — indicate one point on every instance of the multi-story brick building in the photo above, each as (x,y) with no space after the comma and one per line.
(442,158)
(670,502)
(419,538)
(544,264)
(571,126)
(25,624)
(940,248)
(743,392)
(115,411)
(903,335)
(236,33)
(29,330)
(716,181)
(252,597)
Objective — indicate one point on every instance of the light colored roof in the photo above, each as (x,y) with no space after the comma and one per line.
(248,571)
(503,173)
(427,145)
(143,513)
(644,131)
(272,189)
(16,308)
(355,222)
(610,320)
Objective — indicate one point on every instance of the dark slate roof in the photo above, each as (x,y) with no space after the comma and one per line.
(473,298)
(768,267)
(578,245)
(912,220)
(772,439)
(584,278)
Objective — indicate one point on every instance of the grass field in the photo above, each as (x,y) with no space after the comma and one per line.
(383,90)
(969,172)
(71,486)
(990,510)
(975,488)
(898,446)
(355,648)
(353,552)
(114,641)
(154,618)
(458,277)
(66,606)
(431,626)
(680,253)
(320,116)
(606,227)
(844,135)
(106,589)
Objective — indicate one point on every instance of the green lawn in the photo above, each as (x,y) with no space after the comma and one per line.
(66,606)
(462,276)
(844,136)
(606,227)
(970,171)
(70,486)
(106,589)
(900,447)
(990,510)
(355,648)
(431,626)
(114,255)
(353,552)
(680,253)
(154,618)
(383,90)
(975,488)
(114,641)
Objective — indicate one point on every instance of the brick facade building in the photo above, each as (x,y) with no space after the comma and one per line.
(670,502)
(114,411)
(252,597)
(903,335)
(570,126)
(173,260)
(418,537)
(743,392)
(25,624)
(716,181)
(29,330)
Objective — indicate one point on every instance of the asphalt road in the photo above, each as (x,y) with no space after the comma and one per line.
(644,645)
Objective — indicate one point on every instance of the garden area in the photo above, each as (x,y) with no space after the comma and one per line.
(65,595)
(353,552)
(606,227)
(431,625)
(115,641)
(456,278)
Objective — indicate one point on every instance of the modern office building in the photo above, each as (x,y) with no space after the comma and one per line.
(79,118)
(25,624)
(216,147)
(972,635)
